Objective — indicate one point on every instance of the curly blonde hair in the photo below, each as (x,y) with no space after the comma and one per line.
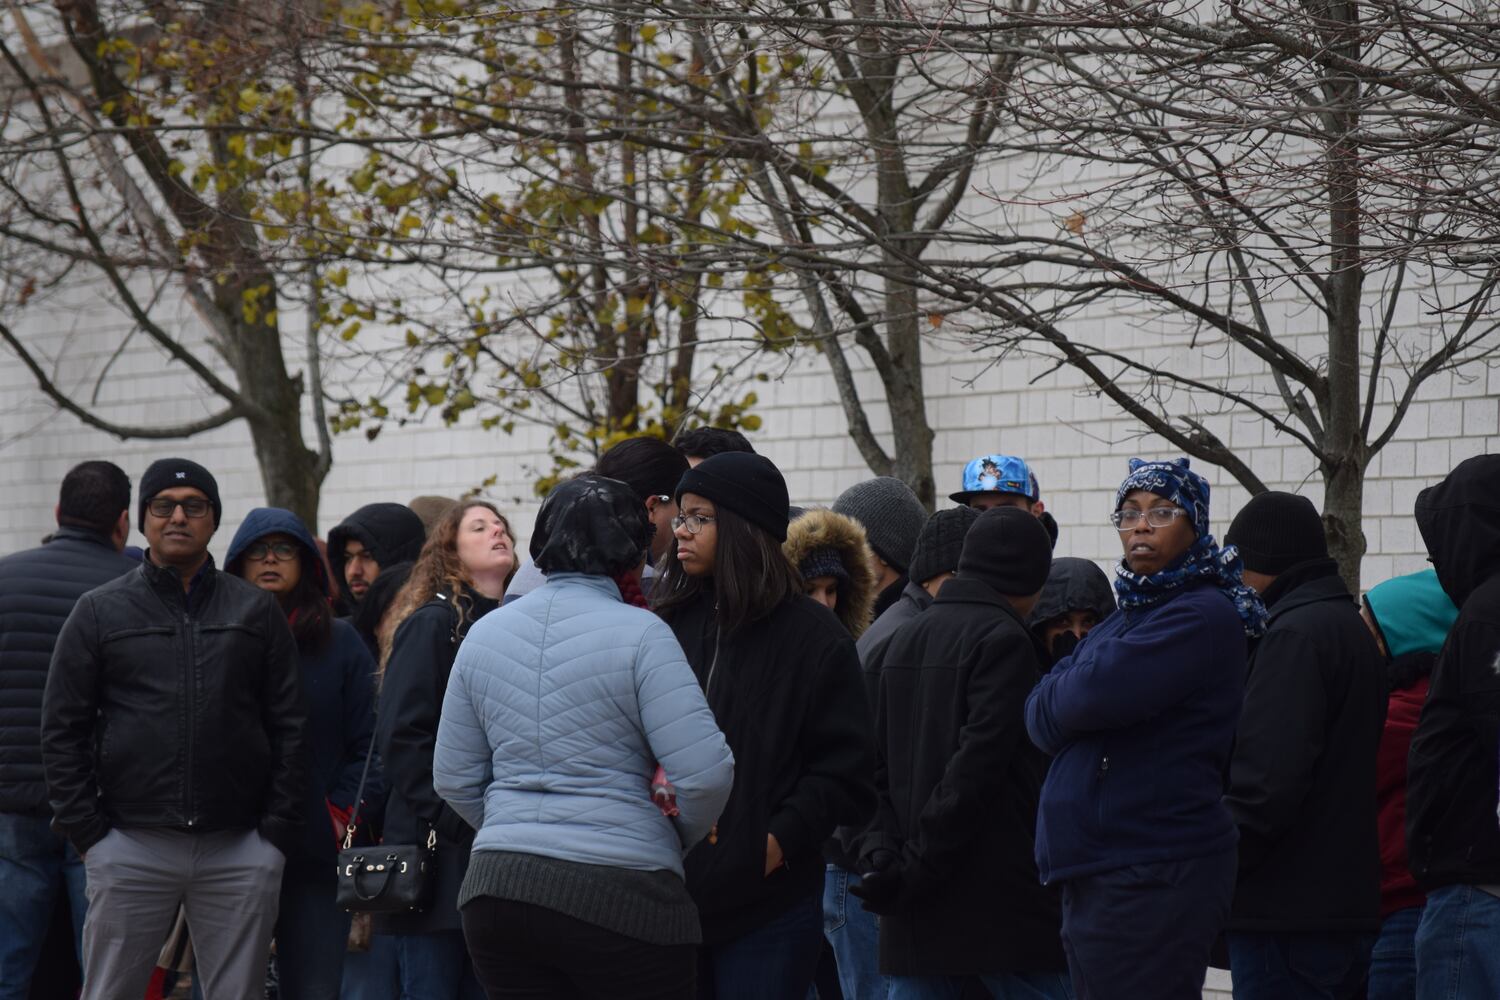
(437,571)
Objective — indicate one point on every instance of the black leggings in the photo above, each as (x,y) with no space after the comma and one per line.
(521,950)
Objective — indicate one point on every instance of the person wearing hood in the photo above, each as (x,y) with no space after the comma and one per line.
(1140,722)
(1452,831)
(782,677)
(274,551)
(958,783)
(1409,616)
(173,739)
(1077,597)
(1302,778)
(852,931)
(834,561)
(364,543)
(575,884)
(459,578)
(651,468)
(892,517)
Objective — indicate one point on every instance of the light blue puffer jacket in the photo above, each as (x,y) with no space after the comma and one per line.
(558,708)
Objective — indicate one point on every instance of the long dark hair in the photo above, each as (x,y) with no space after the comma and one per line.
(751,576)
(308,610)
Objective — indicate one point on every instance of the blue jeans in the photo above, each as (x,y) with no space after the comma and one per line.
(1319,965)
(1001,986)
(1393,961)
(373,974)
(436,966)
(777,959)
(312,937)
(34,861)
(853,933)
(1458,945)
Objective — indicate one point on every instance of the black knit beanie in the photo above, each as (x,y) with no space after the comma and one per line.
(1008,549)
(746,483)
(940,542)
(170,473)
(1276,531)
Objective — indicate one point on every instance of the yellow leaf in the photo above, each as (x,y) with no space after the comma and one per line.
(1074,223)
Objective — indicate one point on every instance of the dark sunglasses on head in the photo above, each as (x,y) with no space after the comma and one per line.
(163,507)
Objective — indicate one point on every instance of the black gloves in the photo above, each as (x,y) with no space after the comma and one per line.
(883,888)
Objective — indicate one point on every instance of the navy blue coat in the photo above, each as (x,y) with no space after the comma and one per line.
(1140,720)
(38,588)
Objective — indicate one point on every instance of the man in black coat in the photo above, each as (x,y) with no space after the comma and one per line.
(1452,833)
(38,588)
(372,539)
(173,744)
(950,867)
(1302,779)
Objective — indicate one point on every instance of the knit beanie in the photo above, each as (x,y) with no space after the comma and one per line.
(1008,549)
(744,482)
(170,473)
(891,515)
(823,562)
(1275,531)
(939,544)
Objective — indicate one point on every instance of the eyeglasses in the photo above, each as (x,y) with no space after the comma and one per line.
(163,507)
(1157,517)
(693,522)
(283,550)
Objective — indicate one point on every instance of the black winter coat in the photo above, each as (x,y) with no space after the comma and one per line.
(958,782)
(165,709)
(1302,777)
(786,692)
(1452,834)
(406,721)
(38,588)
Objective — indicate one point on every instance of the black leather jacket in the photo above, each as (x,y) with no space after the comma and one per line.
(173,709)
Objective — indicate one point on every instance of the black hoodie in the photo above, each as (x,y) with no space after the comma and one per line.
(390,532)
(1451,830)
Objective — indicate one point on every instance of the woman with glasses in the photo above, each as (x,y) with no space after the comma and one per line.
(782,677)
(460,577)
(274,550)
(1140,720)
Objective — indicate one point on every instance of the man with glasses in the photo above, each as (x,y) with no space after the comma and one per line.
(172,738)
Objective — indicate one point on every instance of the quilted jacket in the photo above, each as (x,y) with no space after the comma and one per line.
(559,706)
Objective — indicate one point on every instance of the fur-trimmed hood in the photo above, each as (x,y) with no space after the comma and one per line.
(823,529)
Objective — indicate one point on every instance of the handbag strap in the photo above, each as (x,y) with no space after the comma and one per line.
(359,796)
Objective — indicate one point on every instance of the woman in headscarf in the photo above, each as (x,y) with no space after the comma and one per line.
(459,578)
(274,550)
(783,680)
(1140,720)
(559,709)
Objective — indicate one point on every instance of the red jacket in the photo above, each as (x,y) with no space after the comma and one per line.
(1398,890)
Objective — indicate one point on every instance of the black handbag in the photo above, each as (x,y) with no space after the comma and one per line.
(383,878)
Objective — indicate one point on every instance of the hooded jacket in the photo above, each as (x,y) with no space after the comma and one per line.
(1451,830)
(958,783)
(338,683)
(173,709)
(823,529)
(1302,779)
(786,693)
(390,532)
(1073,585)
(38,588)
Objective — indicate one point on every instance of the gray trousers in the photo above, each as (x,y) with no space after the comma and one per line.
(227,884)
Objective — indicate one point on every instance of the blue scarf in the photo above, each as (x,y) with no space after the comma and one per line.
(1203,561)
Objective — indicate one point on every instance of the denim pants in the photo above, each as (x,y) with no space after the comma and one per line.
(34,862)
(1324,965)
(1001,986)
(777,959)
(373,974)
(1458,945)
(1393,960)
(312,937)
(854,935)
(435,966)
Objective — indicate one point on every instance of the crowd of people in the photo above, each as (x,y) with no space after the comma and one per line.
(705,743)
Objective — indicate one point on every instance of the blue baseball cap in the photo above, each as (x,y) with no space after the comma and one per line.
(998,474)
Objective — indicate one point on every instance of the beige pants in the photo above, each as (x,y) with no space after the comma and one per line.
(227,885)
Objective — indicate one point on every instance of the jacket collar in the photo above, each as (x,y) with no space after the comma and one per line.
(166,578)
(971,591)
(918,595)
(1323,588)
(592,581)
(83,535)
